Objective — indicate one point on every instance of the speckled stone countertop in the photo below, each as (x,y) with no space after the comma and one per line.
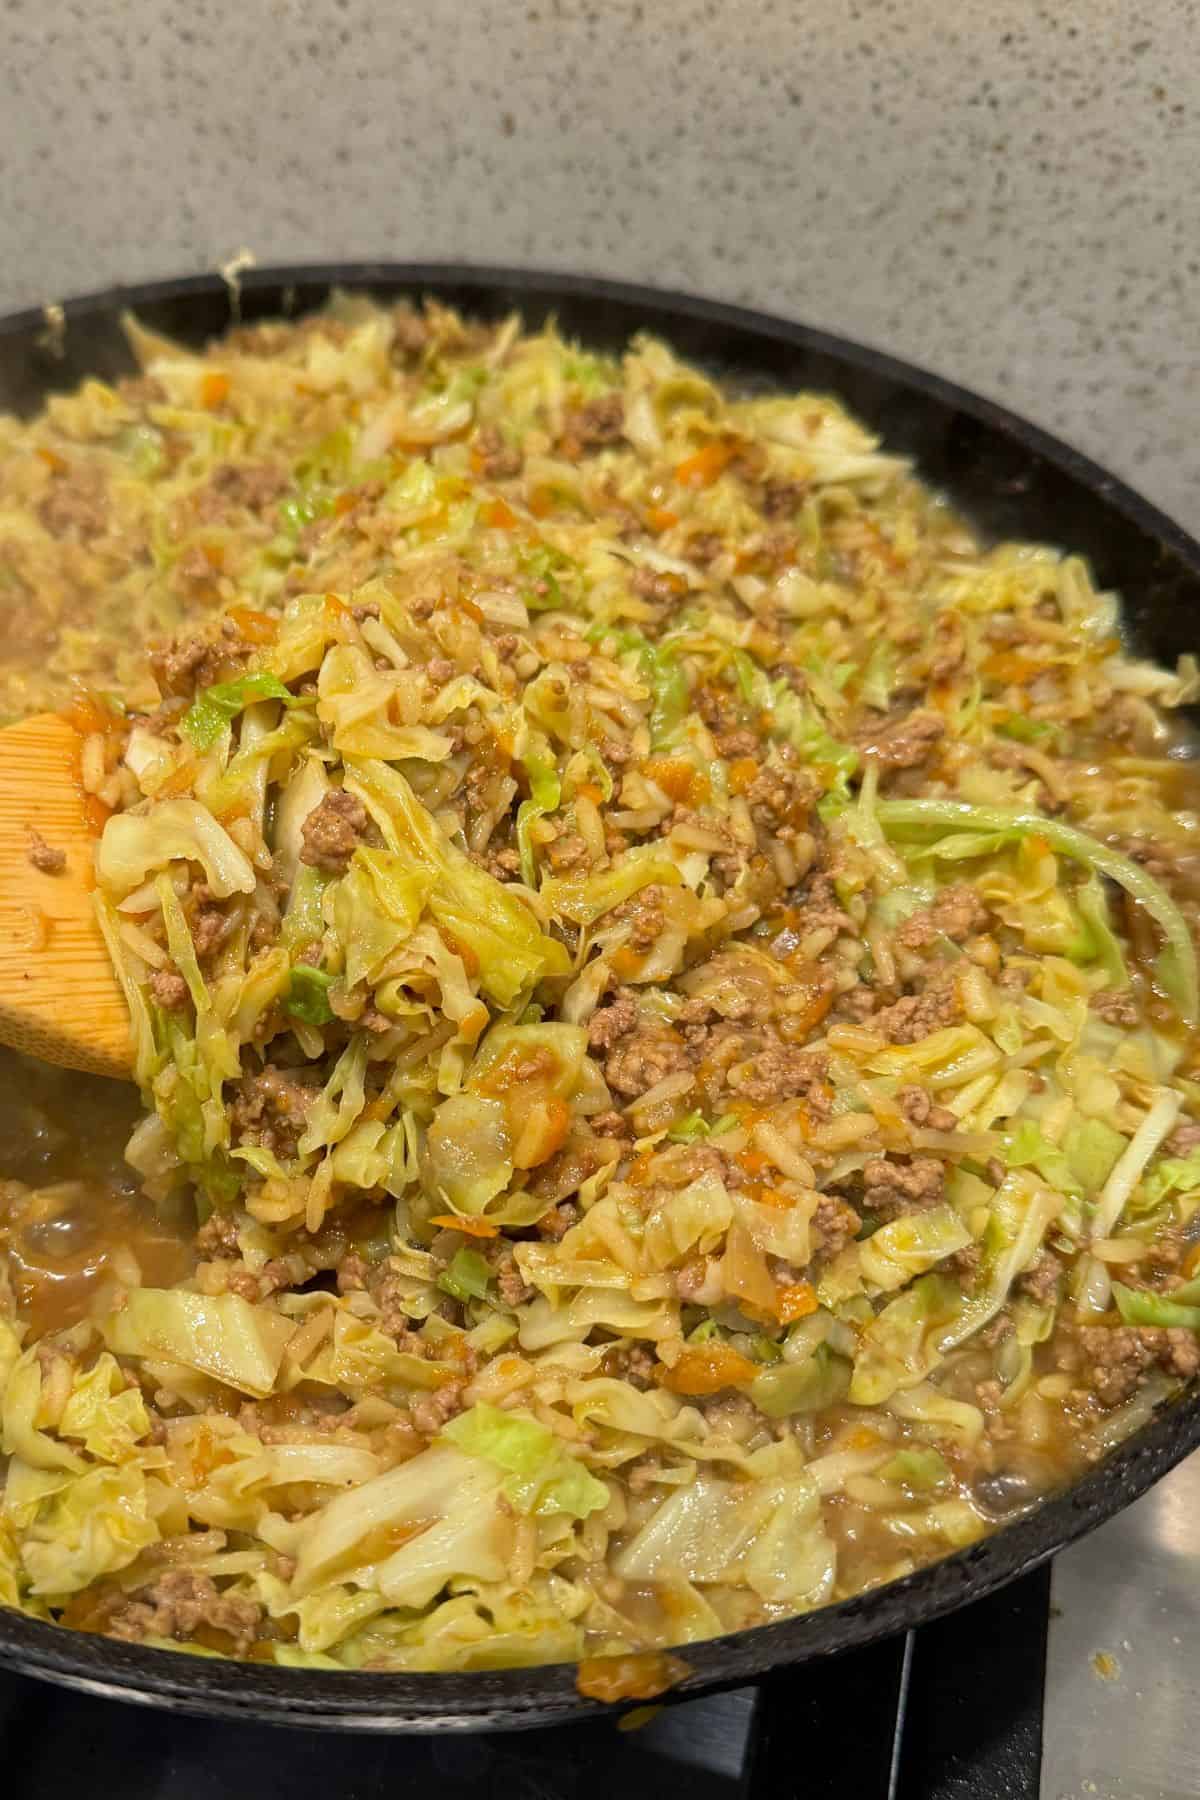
(1002,190)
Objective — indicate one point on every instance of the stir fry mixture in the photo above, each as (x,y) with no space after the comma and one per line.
(662,983)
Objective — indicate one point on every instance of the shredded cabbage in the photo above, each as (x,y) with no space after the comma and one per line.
(1177,963)
(540,1476)
(647,990)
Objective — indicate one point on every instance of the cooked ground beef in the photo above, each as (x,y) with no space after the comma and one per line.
(595,426)
(429,1412)
(905,742)
(270,1109)
(920,1109)
(76,504)
(634,1363)
(1041,1280)
(781,499)
(781,1073)
(956,913)
(613,1021)
(652,584)
(636,1064)
(704,547)
(352,1273)
(918,1016)
(1117,1356)
(611,1125)
(252,484)
(169,988)
(218,1236)
(558,1221)
(819,910)
(178,1604)
(391,1292)
(566,852)
(836,1224)
(780,796)
(44,856)
(514,1290)
(333,831)
(209,921)
(891,1187)
(498,460)
(644,915)
(178,666)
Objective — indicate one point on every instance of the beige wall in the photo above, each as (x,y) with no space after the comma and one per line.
(1002,190)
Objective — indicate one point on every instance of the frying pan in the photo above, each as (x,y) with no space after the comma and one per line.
(1011,481)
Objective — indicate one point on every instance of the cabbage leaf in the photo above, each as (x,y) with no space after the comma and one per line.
(540,1476)
(134,843)
(220,1335)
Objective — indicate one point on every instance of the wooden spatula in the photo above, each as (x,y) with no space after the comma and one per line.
(59,997)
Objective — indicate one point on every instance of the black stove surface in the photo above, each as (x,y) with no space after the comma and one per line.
(951,1712)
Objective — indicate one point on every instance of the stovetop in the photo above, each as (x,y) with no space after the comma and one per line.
(1076,1685)
(899,1720)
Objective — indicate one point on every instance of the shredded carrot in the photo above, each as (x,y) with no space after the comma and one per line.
(587,790)
(641,1169)
(706,1369)
(772,1196)
(467,956)
(472,611)
(702,469)
(344,503)
(1009,666)
(500,516)
(796,1300)
(541,1131)
(661,518)
(480,1228)
(53,460)
(753,1161)
(818,1003)
(626,962)
(678,778)
(541,503)
(179,780)
(256,627)
(337,608)
(88,715)
(523,1067)
(742,772)
(213,390)
(748,1113)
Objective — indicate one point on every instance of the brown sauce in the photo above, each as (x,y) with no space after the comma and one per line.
(72,1221)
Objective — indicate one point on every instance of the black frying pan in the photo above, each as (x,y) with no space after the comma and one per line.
(1011,480)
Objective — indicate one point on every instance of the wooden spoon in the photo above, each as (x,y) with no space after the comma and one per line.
(59,997)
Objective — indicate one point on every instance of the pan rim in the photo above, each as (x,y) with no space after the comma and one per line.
(546,1694)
